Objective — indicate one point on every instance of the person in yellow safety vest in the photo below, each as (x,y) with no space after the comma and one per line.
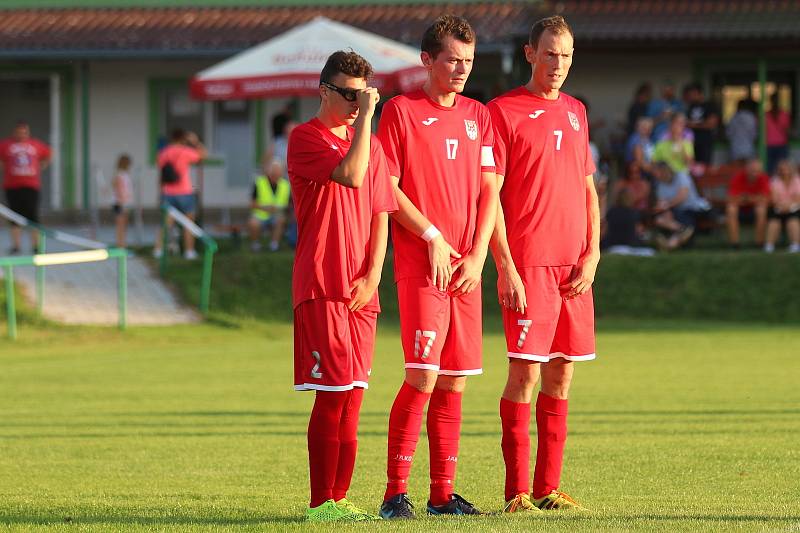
(269,205)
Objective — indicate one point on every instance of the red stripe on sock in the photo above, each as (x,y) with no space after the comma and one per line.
(444,431)
(405,421)
(551,425)
(516,444)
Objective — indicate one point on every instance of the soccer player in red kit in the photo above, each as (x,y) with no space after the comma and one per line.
(546,246)
(342,190)
(439,148)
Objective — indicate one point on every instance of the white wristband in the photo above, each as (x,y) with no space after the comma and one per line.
(430,233)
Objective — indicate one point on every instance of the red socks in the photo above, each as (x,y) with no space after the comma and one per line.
(444,431)
(516,418)
(323,444)
(405,421)
(348,443)
(551,425)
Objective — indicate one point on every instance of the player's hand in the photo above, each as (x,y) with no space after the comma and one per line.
(512,290)
(467,274)
(440,256)
(367,100)
(581,278)
(362,289)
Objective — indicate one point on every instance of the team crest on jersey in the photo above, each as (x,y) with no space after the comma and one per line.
(573,120)
(472,129)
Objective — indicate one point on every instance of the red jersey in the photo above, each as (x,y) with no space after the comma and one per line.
(438,153)
(740,185)
(21,162)
(333,221)
(542,149)
(181,157)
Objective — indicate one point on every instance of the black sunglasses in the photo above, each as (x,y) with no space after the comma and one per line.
(348,94)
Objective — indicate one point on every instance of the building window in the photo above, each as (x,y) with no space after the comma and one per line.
(730,88)
(171,108)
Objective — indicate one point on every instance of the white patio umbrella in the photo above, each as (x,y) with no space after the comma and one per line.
(289,64)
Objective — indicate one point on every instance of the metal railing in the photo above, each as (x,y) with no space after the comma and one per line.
(209,249)
(64,258)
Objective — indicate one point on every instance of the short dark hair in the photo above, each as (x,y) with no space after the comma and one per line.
(556,25)
(345,62)
(178,134)
(452,25)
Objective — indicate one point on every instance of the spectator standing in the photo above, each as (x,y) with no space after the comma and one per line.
(269,206)
(742,131)
(177,191)
(676,150)
(282,126)
(23,158)
(749,189)
(785,210)
(703,119)
(123,198)
(640,105)
(661,110)
(778,125)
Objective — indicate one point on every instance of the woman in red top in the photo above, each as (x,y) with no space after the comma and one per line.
(778,125)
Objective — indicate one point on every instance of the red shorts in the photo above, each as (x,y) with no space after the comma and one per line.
(333,347)
(551,326)
(439,331)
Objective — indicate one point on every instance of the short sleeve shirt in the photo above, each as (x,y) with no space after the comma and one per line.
(542,150)
(181,157)
(740,185)
(333,221)
(439,154)
(22,162)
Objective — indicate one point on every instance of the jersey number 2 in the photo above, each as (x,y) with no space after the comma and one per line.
(452,146)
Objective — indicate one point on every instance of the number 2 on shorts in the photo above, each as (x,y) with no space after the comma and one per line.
(315,373)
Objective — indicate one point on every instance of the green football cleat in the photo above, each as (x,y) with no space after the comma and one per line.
(521,503)
(327,512)
(353,512)
(558,500)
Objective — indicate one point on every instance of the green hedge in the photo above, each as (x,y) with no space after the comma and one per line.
(707,285)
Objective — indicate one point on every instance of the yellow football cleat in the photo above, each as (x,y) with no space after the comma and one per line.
(520,503)
(558,500)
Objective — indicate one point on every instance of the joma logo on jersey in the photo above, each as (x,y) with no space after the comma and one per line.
(430,120)
(472,129)
(573,120)
(536,113)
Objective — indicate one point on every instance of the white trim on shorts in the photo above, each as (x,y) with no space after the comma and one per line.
(548,358)
(422,366)
(331,388)
(473,372)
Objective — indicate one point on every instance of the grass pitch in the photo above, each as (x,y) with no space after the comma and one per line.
(676,426)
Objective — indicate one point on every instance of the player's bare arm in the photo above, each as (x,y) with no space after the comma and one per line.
(469,269)
(440,253)
(510,287)
(364,287)
(353,168)
(583,273)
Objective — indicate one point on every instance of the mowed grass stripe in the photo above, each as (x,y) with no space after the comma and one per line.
(676,427)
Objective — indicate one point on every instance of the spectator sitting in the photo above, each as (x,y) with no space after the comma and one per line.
(748,189)
(677,206)
(270,203)
(785,210)
(676,150)
(639,147)
(624,223)
(778,125)
(742,131)
(636,188)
